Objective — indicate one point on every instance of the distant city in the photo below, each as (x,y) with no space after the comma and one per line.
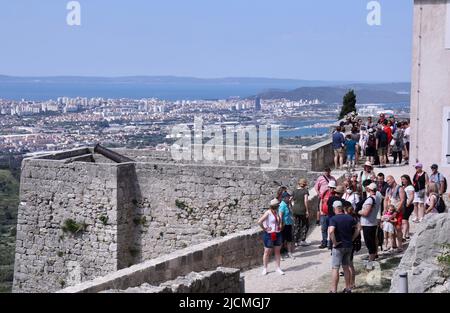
(64,123)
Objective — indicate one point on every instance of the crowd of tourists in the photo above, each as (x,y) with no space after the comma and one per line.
(374,141)
(363,206)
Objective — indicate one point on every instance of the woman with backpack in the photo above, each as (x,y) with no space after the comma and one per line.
(397,145)
(420,181)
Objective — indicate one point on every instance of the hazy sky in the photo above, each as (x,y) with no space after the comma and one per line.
(306,39)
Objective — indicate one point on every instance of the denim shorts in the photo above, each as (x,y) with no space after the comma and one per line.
(341,256)
(268,243)
(350,157)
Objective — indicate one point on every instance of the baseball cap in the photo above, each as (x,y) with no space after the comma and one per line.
(368,164)
(434,167)
(332,184)
(372,186)
(274,202)
(419,165)
(337,204)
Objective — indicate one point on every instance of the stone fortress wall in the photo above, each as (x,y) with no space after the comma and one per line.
(128,212)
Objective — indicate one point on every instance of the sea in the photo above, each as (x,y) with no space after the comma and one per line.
(182,91)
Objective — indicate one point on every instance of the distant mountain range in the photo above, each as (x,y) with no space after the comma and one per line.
(191,88)
(366,93)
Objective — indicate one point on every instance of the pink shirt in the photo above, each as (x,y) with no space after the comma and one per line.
(321,185)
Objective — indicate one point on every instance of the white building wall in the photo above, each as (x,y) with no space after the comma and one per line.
(430,95)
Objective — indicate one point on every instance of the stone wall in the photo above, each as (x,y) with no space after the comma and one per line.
(52,192)
(221,280)
(133,212)
(185,205)
(242,250)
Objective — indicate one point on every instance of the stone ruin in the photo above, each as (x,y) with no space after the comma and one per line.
(88,212)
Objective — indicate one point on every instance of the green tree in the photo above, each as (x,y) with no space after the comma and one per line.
(348,104)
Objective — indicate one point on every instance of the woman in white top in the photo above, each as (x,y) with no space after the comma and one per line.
(271,223)
(409,207)
(351,196)
(363,138)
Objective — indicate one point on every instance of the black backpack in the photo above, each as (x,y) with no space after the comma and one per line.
(440,205)
(360,204)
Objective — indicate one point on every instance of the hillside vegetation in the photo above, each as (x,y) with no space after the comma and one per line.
(9,201)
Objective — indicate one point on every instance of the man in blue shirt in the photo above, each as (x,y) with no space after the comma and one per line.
(350,146)
(338,147)
(343,231)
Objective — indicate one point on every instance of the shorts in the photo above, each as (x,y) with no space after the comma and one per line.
(408,211)
(269,244)
(339,152)
(341,256)
(418,198)
(287,233)
(382,151)
(370,152)
(350,157)
(370,238)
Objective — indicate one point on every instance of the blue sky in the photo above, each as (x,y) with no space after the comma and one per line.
(305,39)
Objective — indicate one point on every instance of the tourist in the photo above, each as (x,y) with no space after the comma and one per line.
(366,174)
(420,181)
(369,223)
(382,185)
(270,222)
(356,137)
(351,196)
(280,192)
(300,210)
(343,231)
(438,179)
(395,195)
(324,213)
(409,207)
(407,138)
(371,150)
(382,145)
(336,196)
(389,220)
(432,198)
(398,145)
(382,119)
(286,217)
(350,147)
(355,185)
(321,187)
(369,123)
(363,138)
(356,243)
(338,147)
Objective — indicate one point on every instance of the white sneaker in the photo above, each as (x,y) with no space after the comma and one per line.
(291,256)
(279,271)
(305,243)
(264,272)
(369,266)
